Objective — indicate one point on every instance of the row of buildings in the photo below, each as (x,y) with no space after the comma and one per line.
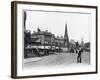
(48,39)
(45,39)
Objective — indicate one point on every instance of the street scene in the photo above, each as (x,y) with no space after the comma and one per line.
(44,47)
(59,59)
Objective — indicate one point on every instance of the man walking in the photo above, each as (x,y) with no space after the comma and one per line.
(79,60)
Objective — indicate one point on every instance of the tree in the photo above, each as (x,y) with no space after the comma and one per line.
(87,45)
(27,37)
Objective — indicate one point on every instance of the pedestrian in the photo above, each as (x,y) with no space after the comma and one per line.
(79,51)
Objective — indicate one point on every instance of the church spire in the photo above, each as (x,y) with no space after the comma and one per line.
(66,38)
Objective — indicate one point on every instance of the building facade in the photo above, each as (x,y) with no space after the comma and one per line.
(47,38)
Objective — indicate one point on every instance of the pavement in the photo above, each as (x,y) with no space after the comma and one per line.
(58,59)
(29,60)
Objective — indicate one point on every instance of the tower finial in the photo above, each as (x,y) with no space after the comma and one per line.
(66,38)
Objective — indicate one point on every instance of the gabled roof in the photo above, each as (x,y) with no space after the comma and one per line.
(43,33)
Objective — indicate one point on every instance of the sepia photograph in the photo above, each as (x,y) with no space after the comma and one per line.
(53,39)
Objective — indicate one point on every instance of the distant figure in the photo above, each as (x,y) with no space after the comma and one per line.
(77,45)
(79,51)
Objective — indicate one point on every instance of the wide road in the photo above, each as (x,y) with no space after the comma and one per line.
(59,59)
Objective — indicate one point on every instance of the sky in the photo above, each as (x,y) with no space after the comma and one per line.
(78,24)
